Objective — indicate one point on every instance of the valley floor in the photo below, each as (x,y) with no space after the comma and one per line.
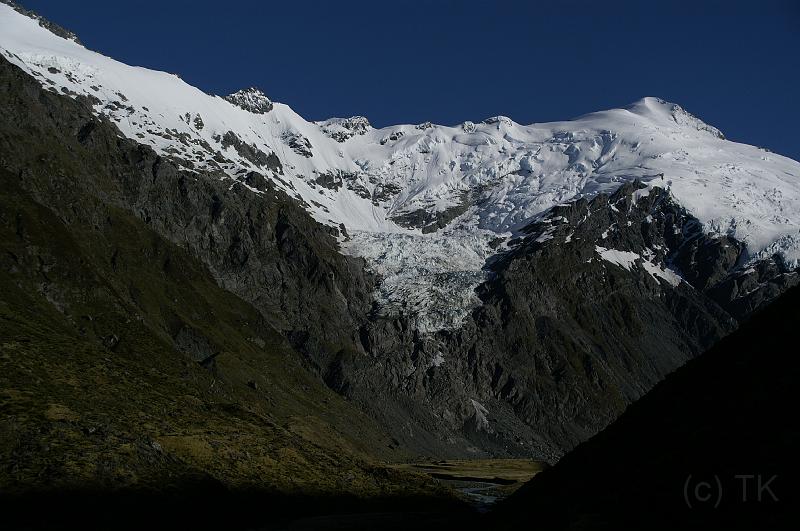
(480,482)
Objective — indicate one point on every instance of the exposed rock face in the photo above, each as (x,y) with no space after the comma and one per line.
(742,292)
(394,136)
(299,143)
(432,220)
(252,100)
(342,129)
(250,153)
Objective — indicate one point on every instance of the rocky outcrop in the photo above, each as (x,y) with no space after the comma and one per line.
(250,152)
(252,100)
(299,143)
(431,220)
(746,290)
(342,129)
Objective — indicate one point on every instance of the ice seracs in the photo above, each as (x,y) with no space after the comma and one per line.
(411,194)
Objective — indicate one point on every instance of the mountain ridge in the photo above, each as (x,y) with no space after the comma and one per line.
(470,187)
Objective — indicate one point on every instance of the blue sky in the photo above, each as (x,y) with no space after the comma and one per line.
(735,65)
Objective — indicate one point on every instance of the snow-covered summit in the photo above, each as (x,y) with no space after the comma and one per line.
(658,109)
(428,198)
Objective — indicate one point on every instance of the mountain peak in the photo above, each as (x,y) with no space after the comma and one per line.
(251,99)
(660,109)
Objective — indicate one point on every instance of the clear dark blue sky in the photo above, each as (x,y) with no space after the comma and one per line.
(735,65)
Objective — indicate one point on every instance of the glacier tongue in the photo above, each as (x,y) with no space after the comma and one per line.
(428,278)
(423,202)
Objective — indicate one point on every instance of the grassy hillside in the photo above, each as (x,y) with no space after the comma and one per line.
(95,394)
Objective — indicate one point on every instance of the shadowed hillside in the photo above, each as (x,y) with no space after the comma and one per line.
(691,453)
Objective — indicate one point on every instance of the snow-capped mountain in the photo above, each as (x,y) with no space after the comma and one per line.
(428,204)
(532,280)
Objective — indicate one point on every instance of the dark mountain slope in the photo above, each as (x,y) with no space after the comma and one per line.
(264,248)
(126,369)
(729,413)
